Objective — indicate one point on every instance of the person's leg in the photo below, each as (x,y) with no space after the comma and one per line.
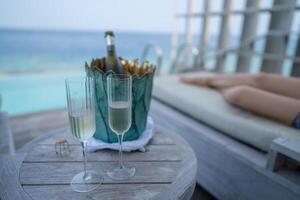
(221,81)
(274,106)
(286,86)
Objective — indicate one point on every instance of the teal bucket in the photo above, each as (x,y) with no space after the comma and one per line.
(141,99)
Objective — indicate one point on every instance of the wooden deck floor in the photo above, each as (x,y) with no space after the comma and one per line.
(27,127)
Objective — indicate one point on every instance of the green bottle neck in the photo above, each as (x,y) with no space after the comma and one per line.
(111,50)
(112,58)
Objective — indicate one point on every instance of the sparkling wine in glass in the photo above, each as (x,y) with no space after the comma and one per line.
(82,125)
(81,109)
(120,116)
(119,87)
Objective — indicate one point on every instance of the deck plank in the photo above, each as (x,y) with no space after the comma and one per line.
(27,127)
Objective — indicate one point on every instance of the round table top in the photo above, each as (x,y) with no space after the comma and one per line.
(167,169)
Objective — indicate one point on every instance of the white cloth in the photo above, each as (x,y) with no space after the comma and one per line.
(139,144)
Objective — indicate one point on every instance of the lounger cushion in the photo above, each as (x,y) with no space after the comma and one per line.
(208,106)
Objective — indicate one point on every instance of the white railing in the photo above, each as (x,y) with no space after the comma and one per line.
(282,13)
(207,55)
(188,56)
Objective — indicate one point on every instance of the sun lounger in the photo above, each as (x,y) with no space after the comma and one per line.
(209,107)
(240,155)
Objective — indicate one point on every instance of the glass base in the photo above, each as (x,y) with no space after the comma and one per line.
(80,183)
(121,173)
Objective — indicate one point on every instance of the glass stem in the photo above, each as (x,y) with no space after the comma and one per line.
(120,139)
(84,145)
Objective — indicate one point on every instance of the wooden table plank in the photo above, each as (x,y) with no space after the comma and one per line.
(62,172)
(10,187)
(42,153)
(107,192)
(159,138)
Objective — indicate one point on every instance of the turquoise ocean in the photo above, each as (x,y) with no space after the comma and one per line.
(34,64)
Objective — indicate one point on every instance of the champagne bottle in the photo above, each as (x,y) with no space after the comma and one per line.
(112,61)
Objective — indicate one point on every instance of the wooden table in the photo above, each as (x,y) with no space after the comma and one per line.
(167,170)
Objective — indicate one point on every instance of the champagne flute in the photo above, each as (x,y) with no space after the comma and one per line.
(81,109)
(119,88)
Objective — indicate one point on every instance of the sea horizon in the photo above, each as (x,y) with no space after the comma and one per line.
(29,50)
(27,29)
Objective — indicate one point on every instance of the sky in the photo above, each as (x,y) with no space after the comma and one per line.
(128,15)
(121,15)
(118,15)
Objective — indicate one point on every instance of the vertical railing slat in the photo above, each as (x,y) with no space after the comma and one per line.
(174,40)
(224,33)
(248,32)
(204,32)
(280,21)
(296,66)
(188,32)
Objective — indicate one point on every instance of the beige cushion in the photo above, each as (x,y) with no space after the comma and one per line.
(208,106)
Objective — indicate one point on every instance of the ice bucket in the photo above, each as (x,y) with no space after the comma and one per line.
(141,98)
